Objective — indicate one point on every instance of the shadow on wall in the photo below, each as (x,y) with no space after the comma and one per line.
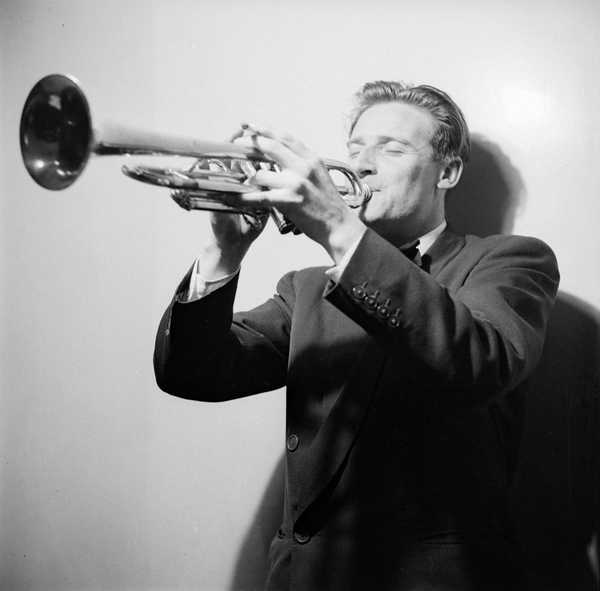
(556,498)
(489,194)
(556,495)
(250,570)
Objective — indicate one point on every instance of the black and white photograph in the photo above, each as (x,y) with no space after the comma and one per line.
(299,295)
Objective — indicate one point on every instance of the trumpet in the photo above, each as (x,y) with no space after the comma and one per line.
(57,139)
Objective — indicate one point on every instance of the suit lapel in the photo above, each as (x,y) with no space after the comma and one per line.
(443,250)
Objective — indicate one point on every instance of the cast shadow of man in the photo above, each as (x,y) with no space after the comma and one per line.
(555,499)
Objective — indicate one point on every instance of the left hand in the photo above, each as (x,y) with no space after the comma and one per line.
(302,190)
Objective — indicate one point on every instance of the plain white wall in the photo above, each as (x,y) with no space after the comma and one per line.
(106,482)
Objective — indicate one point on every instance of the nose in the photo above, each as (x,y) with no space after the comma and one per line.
(364,163)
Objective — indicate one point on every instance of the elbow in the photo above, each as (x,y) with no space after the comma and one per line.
(164,381)
(164,373)
(188,391)
(172,380)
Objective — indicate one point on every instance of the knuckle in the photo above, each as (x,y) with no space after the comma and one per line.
(299,186)
(314,165)
(305,169)
(315,161)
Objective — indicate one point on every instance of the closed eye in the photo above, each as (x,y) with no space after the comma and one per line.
(395,148)
(388,148)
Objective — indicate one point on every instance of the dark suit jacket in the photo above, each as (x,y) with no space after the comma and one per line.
(404,400)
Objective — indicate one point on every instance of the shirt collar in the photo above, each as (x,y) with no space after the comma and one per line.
(426,241)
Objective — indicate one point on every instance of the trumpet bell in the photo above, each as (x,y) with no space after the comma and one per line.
(56,132)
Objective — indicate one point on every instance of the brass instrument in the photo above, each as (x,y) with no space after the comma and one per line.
(57,139)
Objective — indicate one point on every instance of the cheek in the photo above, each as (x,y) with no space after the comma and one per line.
(417,177)
(405,175)
(405,188)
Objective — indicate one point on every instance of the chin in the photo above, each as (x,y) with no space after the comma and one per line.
(368,212)
(367,219)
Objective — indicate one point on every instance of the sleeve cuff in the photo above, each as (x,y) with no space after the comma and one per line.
(334,273)
(200,287)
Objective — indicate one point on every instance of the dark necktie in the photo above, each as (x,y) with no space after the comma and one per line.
(411,251)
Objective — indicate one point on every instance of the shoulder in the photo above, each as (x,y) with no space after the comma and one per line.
(510,246)
(506,242)
(508,255)
(459,259)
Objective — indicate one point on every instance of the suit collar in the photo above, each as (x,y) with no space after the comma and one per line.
(427,240)
(443,250)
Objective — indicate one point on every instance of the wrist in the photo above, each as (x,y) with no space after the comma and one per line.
(343,237)
(217,262)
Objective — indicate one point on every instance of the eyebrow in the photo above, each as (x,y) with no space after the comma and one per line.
(380,139)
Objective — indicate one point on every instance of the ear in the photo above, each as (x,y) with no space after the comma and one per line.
(450,174)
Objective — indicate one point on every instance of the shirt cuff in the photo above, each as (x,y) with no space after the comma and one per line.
(200,287)
(334,273)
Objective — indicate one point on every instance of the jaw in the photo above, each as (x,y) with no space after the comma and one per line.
(403,224)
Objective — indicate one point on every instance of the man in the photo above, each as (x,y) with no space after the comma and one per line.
(404,375)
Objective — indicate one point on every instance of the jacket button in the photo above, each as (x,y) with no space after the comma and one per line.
(301,538)
(292,442)
(394,320)
(371,300)
(359,291)
(383,309)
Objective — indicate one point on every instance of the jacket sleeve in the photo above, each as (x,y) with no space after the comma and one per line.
(205,352)
(473,340)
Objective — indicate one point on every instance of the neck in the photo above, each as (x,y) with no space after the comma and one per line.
(406,231)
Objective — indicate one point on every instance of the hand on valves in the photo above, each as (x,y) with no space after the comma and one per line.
(302,190)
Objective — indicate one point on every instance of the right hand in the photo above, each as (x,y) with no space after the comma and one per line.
(232,235)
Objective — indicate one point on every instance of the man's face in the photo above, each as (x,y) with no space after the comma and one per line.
(390,148)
